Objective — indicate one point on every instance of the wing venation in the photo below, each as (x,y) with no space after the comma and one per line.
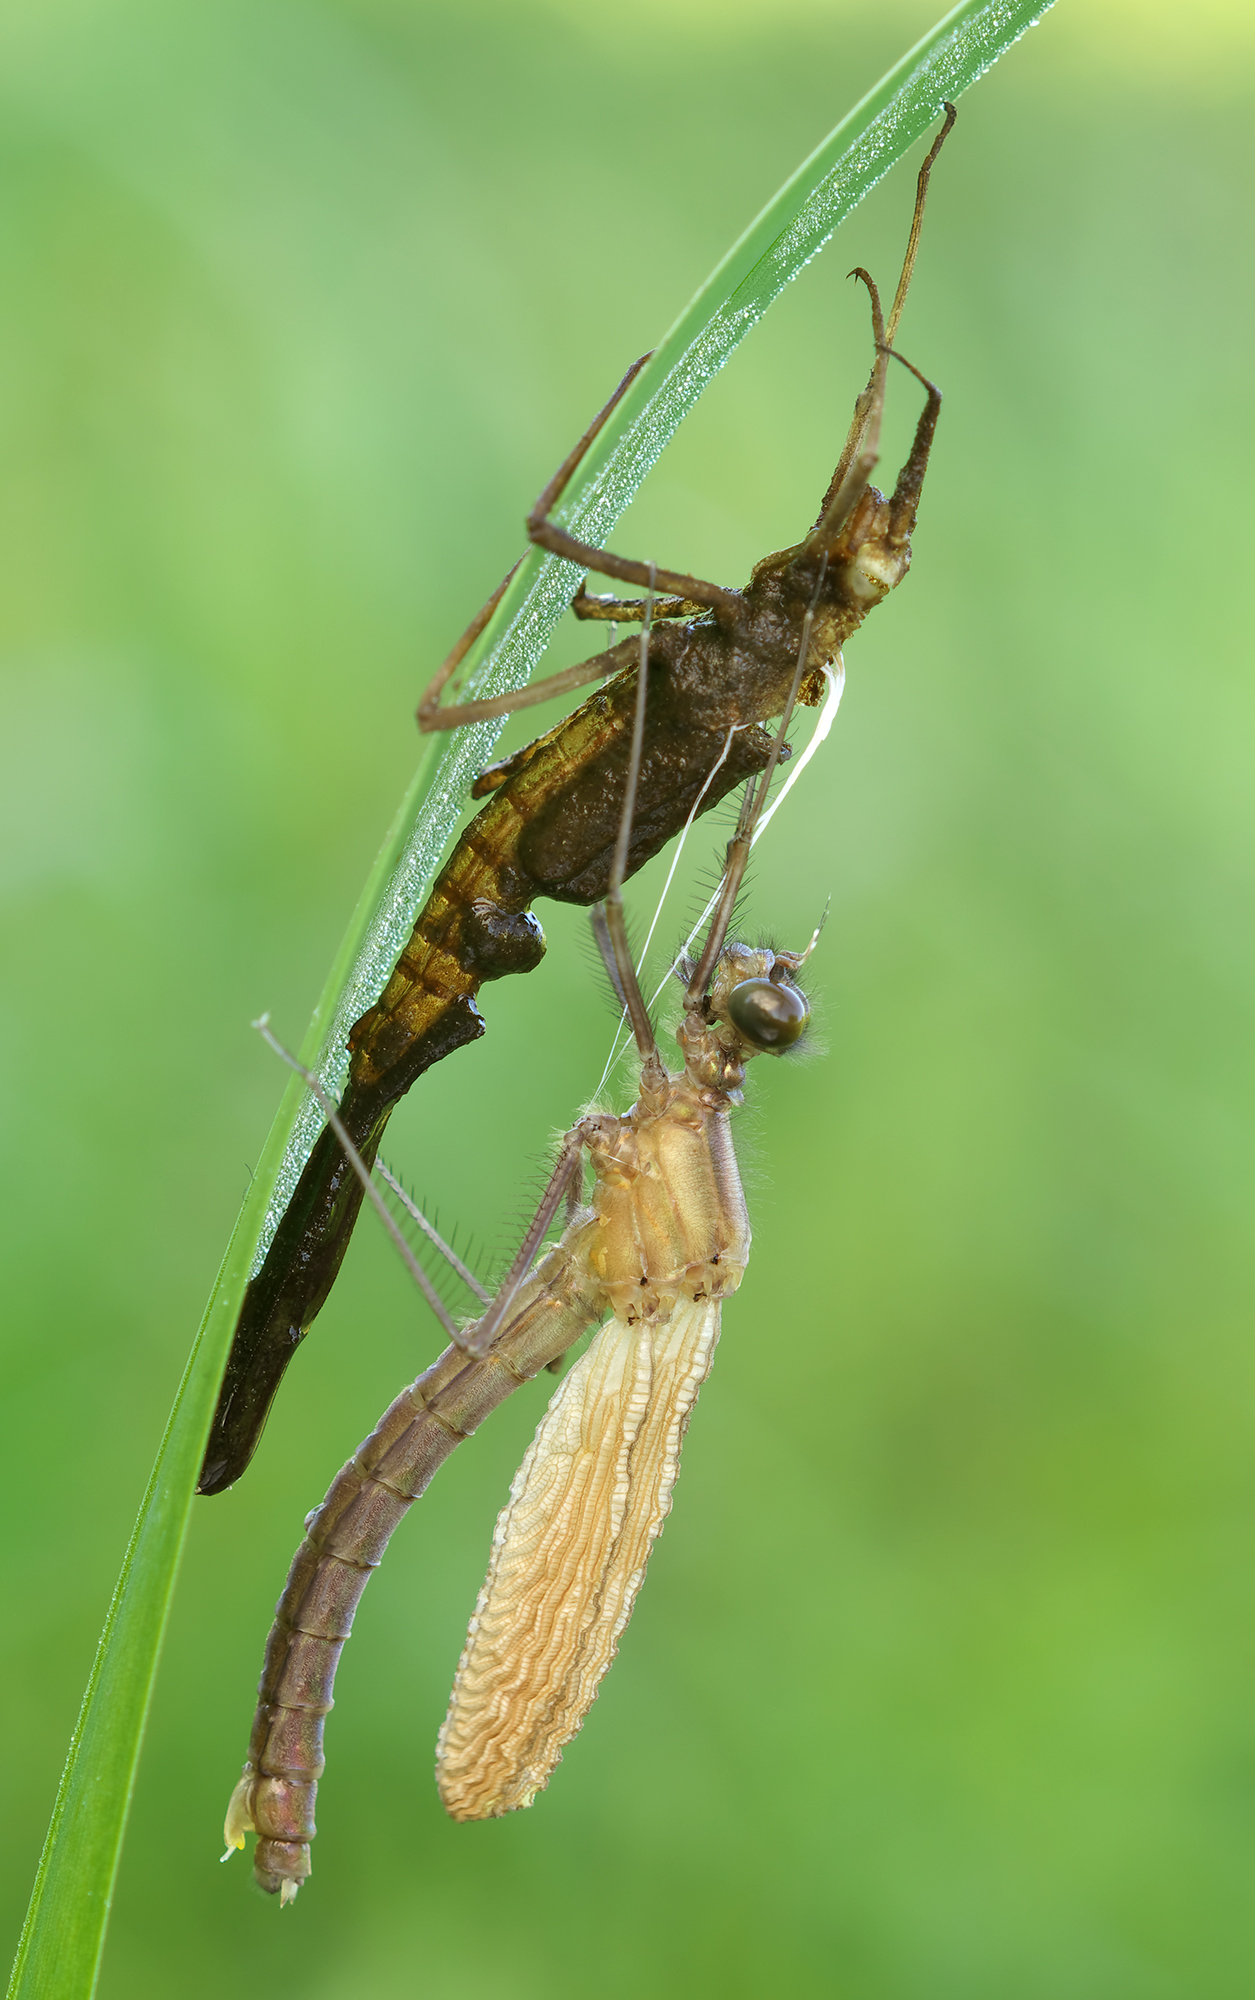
(569,1556)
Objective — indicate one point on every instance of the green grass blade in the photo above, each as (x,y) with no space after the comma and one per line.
(60,1948)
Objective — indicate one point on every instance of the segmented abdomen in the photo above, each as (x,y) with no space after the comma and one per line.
(346,1538)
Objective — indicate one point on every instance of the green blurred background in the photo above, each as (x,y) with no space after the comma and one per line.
(941,1683)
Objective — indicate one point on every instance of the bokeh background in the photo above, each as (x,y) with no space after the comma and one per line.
(942,1681)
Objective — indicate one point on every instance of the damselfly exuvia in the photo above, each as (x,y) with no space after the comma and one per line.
(721,664)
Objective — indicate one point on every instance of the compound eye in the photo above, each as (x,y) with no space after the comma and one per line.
(771,1017)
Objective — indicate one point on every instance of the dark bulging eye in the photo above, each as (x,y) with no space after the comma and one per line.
(771,1017)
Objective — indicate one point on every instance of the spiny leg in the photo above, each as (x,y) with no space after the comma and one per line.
(688,604)
(859,453)
(726,604)
(563,1185)
(626,610)
(866,422)
(433,1235)
(917,222)
(430,715)
(610,610)
(609,928)
(842,528)
(598,668)
(904,502)
(363,1173)
(752,805)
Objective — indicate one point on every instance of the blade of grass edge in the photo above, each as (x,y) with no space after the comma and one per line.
(59,1952)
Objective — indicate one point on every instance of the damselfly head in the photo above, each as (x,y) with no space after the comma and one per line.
(755,994)
(772,1017)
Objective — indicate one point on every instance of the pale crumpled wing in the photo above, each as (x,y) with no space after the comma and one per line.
(569,1555)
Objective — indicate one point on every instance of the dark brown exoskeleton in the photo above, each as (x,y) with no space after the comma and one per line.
(721,664)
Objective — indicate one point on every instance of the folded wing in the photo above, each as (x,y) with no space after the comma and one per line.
(568,1558)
